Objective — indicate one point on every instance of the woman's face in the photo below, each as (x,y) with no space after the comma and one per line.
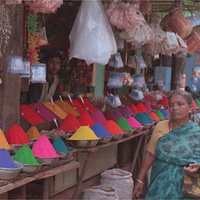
(179,108)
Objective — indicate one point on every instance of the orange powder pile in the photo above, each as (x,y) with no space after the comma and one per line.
(153,116)
(57,111)
(3,142)
(33,133)
(84,133)
(112,127)
(134,109)
(140,106)
(67,108)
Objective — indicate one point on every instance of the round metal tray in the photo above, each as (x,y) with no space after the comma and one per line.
(18,146)
(48,161)
(129,133)
(105,140)
(83,143)
(32,168)
(117,136)
(11,173)
(138,129)
(67,154)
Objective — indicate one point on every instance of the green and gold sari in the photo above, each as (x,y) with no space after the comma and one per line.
(175,150)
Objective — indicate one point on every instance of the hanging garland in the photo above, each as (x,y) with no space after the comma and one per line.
(5,28)
(32,29)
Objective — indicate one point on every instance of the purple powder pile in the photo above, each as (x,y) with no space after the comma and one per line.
(5,159)
(118,114)
(44,112)
(126,110)
(98,117)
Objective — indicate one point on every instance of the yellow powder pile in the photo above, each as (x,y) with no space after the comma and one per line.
(67,107)
(57,111)
(3,142)
(84,133)
(33,133)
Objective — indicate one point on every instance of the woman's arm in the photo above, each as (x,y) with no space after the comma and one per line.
(148,160)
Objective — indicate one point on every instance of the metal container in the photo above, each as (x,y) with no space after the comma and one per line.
(147,126)
(117,136)
(11,173)
(67,154)
(138,129)
(18,146)
(10,151)
(32,168)
(129,133)
(105,140)
(48,161)
(83,143)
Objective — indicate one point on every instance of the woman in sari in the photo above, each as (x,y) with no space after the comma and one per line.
(173,150)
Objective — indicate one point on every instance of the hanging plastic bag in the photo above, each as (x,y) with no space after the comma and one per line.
(138,81)
(100,192)
(116,61)
(42,37)
(120,42)
(91,37)
(115,80)
(136,95)
(114,101)
(126,79)
(140,64)
(38,73)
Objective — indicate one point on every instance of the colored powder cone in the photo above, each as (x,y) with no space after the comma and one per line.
(134,123)
(84,133)
(79,107)
(148,106)
(70,124)
(168,110)
(98,117)
(3,142)
(5,159)
(16,135)
(109,116)
(30,115)
(44,112)
(59,145)
(123,124)
(140,117)
(159,114)
(163,101)
(25,155)
(87,104)
(67,108)
(197,102)
(126,110)
(148,98)
(85,119)
(100,131)
(134,109)
(194,104)
(118,114)
(164,112)
(153,116)
(140,107)
(43,148)
(56,110)
(148,117)
(33,133)
(113,128)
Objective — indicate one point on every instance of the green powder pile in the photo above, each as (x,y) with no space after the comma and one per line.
(197,102)
(159,114)
(25,155)
(123,124)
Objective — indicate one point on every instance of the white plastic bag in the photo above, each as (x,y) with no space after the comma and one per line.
(100,192)
(121,180)
(91,37)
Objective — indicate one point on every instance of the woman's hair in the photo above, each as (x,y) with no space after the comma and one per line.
(186,95)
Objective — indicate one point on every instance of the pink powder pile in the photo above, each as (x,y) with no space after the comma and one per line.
(85,119)
(98,117)
(43,148)
(133,122)
(168,110)
(194,104)
(148,106)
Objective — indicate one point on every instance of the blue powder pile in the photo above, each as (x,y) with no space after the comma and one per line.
(100,131)
(140,117)
(164,112)
(59,145)
(5,159)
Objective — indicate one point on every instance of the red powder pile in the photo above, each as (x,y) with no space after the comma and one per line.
(140,107)
(30,115)
(70,124)
(109,116)
(112,127)
(85,119)
(88,104)
(134,109)
(16,135)
(153,116)
(148,98)
(98,117)
(79,107)
(163,101)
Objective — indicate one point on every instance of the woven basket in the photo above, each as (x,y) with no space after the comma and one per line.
(180,25)
(193,42)
(164,22)
(145,7)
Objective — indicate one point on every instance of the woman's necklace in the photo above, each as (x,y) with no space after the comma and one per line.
(171,127)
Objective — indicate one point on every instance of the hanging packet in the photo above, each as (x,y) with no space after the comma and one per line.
(115,80)
(38,73)
(116,61)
